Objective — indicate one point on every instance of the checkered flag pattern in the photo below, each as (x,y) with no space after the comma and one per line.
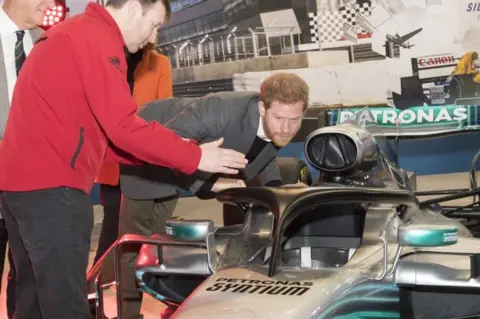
(327,26)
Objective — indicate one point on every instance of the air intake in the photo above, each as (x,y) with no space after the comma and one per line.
(341,148)
(332,152)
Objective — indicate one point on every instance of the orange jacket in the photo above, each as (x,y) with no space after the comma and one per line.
(152,81)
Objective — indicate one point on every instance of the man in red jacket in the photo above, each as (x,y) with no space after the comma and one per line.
(71,109)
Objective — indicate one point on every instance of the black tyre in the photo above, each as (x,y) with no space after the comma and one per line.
(412,93)
(454,90)
(462,87)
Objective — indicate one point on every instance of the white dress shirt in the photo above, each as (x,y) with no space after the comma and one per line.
(9,39)
(261,131)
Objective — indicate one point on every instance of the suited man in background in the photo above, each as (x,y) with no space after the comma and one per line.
(18,33)
(149,76)
(254,124)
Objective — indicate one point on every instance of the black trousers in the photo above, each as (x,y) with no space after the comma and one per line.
(49,233)
(142,217)
(110,196)
(11,273)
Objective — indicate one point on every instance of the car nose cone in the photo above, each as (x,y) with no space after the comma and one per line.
(227,313)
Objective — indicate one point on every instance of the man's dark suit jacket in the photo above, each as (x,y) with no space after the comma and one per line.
(231,115)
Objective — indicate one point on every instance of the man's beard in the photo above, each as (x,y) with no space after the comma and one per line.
(279,142)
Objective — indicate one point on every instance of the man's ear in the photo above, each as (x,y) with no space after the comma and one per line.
(261,109)
(134,7)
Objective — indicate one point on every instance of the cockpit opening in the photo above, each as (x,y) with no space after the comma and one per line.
(323,236)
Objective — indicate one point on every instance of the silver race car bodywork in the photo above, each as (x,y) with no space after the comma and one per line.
(319,284)
(356,245)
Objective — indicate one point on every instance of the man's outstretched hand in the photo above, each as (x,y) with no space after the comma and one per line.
(226,183)
(219,160)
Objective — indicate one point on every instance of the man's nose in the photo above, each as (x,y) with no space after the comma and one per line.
(285,128)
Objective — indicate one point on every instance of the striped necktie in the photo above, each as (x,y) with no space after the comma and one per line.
(19,51)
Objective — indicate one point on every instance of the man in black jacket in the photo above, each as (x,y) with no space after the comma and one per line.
(251,123)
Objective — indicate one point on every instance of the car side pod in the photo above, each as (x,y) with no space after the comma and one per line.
(167,262)
(195,230)
(419,272)
(417,235)
(94,286)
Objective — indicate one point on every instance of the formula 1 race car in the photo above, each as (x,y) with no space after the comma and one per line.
(358,244)
(460,87)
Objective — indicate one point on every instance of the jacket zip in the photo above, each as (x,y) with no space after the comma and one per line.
(78,149)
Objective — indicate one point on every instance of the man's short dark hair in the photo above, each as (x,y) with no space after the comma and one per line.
(117,4)
(284,87)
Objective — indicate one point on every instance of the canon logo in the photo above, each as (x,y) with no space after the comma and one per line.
(434,61)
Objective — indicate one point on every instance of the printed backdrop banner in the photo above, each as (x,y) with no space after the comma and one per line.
(238,10)
(331,24)
(416,121)
(446,25)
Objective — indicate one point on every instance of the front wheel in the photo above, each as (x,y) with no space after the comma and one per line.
(455,90)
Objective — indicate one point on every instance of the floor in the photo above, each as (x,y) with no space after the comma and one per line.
(211,209)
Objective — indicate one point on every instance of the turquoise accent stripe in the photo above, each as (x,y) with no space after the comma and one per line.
(144,287)
(370,314)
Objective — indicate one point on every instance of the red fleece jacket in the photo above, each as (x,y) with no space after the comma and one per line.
(72,107)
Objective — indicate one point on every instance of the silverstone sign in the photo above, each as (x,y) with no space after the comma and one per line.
(421,120)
